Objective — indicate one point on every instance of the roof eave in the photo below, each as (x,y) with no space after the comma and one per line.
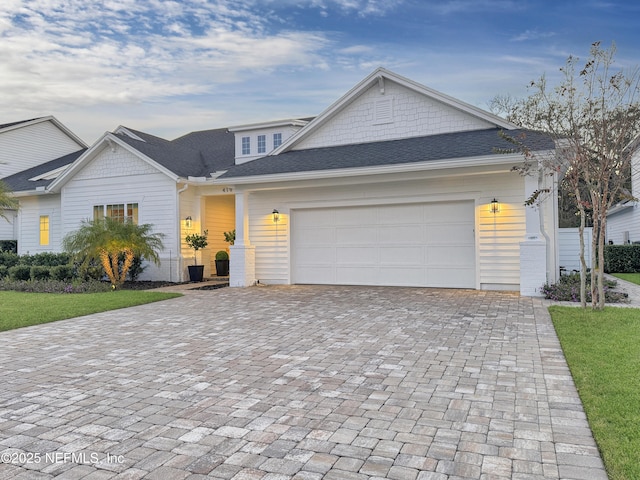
(431,165)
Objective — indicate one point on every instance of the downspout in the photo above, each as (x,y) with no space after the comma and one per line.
(178,241)
(541,215)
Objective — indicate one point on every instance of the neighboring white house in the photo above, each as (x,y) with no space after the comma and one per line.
(28,145)
(393,184)
(623,220)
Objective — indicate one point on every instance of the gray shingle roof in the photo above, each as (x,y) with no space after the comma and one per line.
(473,143)
(19,182)
(196,154)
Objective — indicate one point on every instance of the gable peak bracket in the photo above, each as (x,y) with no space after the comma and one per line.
(381,84)
(112,144)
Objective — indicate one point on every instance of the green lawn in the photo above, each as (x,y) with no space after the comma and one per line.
(603,352)
(19,309)
(629,277)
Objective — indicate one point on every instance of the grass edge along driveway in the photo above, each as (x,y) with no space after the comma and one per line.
(603,353)
(21,309)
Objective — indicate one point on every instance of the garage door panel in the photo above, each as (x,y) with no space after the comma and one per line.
(402,276)
(448,234)
(394,236)
(356,276)
(315,255)
(317,275)
(428,244)
(392,214)
(318,236)
(356,235)
(402,256)
(357,255)
(351,216)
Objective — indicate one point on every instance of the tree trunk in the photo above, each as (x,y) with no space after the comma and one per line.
(583,262)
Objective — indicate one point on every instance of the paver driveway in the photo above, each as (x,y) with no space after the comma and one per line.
(296,382)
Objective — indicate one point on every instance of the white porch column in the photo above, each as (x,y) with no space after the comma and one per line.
(242,264)
(533,250)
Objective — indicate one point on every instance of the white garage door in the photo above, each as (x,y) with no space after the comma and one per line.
(427,245)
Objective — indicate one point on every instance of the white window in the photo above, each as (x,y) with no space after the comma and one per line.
(277,140)
(117,211)
(246,145)
(44,229)
(262,143)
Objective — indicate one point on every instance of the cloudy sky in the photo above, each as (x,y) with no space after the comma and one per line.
(168,67)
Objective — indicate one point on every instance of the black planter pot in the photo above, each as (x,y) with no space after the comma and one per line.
(196,272)
(222,268)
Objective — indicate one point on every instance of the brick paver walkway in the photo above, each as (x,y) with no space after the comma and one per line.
(296,382)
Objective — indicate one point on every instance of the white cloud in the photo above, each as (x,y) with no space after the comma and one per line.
(532,35)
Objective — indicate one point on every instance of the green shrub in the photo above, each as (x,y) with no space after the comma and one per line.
(9,259)
(622,258)
(40,272)
(62,272)
(4,271)
(222,255)
(568,290)
(20,272)
(9,246)
(49,259)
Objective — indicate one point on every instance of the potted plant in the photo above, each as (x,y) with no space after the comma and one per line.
(197,242)
(230,237)
(222,263)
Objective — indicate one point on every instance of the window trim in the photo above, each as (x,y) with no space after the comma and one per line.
(246,146)
(262,144)
(44,221)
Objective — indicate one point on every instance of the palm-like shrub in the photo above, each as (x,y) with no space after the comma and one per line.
(106,240)
(7,201)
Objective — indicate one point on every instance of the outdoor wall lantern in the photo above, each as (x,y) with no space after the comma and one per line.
(188,221)
(276,216)
(494,207)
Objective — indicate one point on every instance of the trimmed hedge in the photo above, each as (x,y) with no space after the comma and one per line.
(622,258)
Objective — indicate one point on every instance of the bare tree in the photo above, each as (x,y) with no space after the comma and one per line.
(593,114)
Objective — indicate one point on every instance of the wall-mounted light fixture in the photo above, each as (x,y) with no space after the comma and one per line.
(276,215)
(494,206)
(188,222)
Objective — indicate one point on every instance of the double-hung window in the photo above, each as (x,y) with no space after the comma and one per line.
(277,140)
(262,143)
(246,145)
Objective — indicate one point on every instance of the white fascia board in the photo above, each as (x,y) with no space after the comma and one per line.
(271,124)
(377,170)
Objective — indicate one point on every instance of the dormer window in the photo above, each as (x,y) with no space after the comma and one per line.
(262,143)
(246,145)
(277,140)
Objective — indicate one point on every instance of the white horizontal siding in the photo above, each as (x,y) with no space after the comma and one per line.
(626,221)
(8,225)
(32,145)
(412,115)
(31,208)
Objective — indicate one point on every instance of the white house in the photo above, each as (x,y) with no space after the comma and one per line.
(393,184)
(41,146)
(623,220)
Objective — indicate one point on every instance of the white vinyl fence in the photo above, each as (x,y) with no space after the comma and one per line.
(569,245)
